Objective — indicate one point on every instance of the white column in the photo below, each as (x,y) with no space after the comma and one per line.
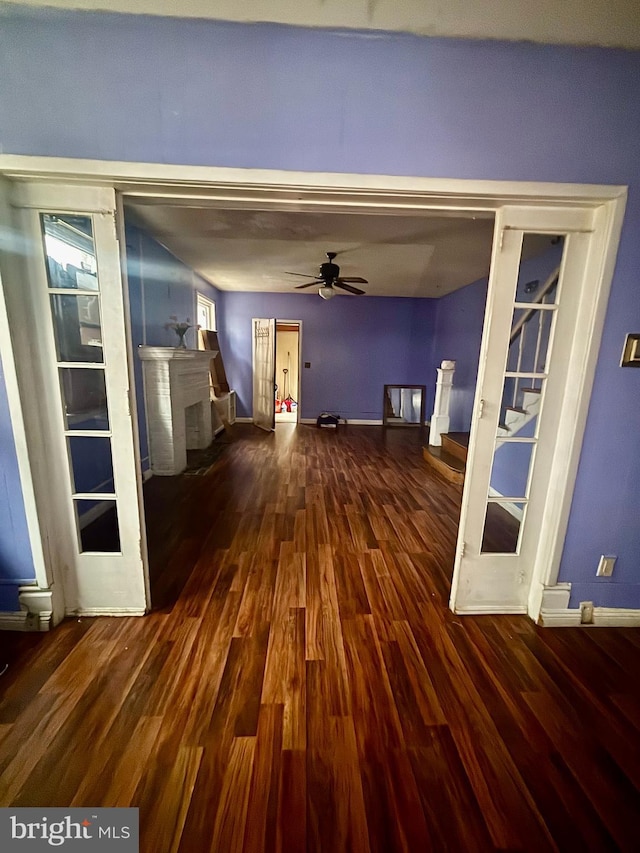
(440,417)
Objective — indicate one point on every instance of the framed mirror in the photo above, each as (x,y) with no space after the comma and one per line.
(404,405)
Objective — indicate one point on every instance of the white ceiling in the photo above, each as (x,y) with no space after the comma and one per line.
(595,22)
(252,250)
(423,256)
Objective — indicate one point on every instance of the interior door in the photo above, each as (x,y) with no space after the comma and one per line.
(80,347)
(521,400)
(264,373)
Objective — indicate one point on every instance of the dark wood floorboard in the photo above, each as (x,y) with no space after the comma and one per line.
(302,686)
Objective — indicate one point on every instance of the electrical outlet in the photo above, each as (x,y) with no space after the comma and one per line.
(605,566)
(586,612)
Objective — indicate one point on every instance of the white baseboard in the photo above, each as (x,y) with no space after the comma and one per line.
(603,617)
(38,605)
(243,420)
(107,611)
(559,618)
(491,610)
(147,475)
(220,429)
(620,617)
(18,621)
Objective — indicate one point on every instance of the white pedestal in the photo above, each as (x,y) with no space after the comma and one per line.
(440,418)
(178,407)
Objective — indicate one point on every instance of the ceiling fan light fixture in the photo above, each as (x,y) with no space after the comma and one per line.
(326,292)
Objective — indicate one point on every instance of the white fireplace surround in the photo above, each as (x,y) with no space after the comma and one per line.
(177,403)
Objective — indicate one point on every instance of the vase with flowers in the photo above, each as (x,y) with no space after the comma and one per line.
(180,327)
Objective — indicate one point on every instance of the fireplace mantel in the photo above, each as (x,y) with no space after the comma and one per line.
(178,405)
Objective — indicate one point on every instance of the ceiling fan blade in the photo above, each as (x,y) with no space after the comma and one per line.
(354,279)
(309,284)
(340,283)
(303,274)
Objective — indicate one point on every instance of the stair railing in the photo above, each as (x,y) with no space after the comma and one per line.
(519,329)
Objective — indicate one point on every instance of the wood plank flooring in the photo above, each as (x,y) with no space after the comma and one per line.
(302,686)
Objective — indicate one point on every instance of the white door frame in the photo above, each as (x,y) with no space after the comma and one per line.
(252,189)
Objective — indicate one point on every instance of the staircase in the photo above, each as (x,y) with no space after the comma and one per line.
(449,460)
(514,419)
(520,405)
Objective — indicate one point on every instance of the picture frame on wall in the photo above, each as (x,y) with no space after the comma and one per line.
(631,351)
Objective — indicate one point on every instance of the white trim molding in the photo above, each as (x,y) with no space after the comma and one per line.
(38,606)
(18,621)
(603,617)
(297,189)
(556,597)
(491,610)
(561,618)
(107,611)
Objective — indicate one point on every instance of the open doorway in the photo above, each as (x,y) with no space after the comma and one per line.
(584,226)
(367,340)
(287,371)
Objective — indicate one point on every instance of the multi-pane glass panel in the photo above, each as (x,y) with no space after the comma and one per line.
(502,527)
(510,469)
(84,398)
(535,306)
(70,252)
(76,325)
(91,463)
(531,336)
(74,300)
(98,528)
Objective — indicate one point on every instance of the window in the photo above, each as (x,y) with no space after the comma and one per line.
(206,315)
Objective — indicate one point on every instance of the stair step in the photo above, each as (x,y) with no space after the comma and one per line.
(531,390)
(516,409)
(448,466)
(457,444)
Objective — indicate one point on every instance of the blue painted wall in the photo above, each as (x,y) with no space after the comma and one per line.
(355,346)
(206,92)
(16,563)
(458,334)
(160,286)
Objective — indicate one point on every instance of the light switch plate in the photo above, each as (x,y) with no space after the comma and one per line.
(605,567)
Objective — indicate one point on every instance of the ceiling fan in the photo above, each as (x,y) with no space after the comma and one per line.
(329,277)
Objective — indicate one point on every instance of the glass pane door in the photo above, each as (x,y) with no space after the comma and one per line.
(90,477)
(536,281)
(74,301)
(535,306)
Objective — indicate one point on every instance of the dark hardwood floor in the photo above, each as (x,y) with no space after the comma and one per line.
(302,684)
